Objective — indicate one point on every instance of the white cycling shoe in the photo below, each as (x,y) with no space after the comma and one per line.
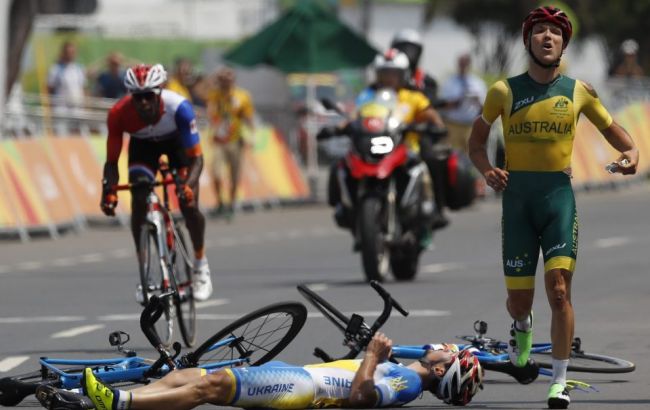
(139,294)
(201,280)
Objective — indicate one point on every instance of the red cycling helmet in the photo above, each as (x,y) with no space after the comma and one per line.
(142,78)
(462,380)
(548,14)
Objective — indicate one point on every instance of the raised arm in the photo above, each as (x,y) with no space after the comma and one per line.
(362,392)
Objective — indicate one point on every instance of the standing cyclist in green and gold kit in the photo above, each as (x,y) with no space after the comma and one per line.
(539,111)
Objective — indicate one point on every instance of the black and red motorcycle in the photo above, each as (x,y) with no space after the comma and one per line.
(381,189)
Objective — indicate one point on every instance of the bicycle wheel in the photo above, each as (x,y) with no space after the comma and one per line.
(330,312)
(13,390)
(583,362)
(259,336)
(184,298)
(152,278)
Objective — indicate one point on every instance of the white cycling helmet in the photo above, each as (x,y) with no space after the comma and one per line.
(462,380)
(407,35)
(391,59)
(143,78)
(630,46)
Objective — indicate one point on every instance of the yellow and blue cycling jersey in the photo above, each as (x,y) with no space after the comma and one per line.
(539,120)
(278,385)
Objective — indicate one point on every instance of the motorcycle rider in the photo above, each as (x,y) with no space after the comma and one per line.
(409,42)
(391,71)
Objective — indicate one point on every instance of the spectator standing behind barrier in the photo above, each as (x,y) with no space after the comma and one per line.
(230,108)
(182,78)
(66,82)
(629,66)
(110,83)
(463,94)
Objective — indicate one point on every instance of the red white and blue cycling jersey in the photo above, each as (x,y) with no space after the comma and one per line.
(176,122)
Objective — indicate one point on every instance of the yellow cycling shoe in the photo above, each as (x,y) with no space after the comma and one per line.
(100,395)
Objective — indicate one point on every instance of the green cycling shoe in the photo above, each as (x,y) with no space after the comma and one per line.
(520,344)
(558,396)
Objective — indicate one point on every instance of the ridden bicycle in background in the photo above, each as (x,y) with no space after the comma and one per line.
(164,260)
(492,354)
(252,340)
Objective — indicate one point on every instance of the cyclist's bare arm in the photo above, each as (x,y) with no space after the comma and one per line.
(623,143)
(496,178)
(194,171)
(362,391)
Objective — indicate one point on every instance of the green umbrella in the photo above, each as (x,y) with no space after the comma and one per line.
(307,38)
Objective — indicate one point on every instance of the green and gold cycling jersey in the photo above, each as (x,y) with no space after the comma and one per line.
(539,120)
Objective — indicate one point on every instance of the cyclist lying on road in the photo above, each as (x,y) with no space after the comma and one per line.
(451,375)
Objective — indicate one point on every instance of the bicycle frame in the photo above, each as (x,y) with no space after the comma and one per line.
(120,369)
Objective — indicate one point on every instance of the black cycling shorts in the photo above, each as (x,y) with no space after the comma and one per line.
(144,156)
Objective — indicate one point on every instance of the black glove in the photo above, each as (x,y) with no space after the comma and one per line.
(326,133)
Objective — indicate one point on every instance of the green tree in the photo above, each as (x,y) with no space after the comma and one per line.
(610,22)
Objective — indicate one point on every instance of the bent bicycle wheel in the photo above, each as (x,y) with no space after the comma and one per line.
(257,337)
(152,263)
(583,362)
(184,298)
(330,312)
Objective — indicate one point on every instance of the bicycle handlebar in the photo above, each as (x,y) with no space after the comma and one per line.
(150,315)
(141,184)
(357,339)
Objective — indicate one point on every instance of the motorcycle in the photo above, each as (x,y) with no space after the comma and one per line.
(381,190)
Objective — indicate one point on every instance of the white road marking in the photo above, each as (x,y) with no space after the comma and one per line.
(611,242)
(31,265)
(41,319)
(271,236)
(76,331)
(122,253)
(317,287)
(63,262)
(249,239)
(213,302)
(295,233)
(226,242)
(375,313)
(11,362)
(92,258)
(320,231)
(119,317)
(441,267)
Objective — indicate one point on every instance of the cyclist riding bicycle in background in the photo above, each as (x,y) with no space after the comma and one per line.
(159,122)
(409,42)
(452,376)
(539,110)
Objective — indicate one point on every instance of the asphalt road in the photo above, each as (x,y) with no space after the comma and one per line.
(61,298)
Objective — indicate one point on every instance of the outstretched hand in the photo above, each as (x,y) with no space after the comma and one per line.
(380,347)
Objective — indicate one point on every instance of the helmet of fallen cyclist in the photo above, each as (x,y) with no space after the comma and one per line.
(462,380)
